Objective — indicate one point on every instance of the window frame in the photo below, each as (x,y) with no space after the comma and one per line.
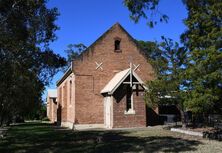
(70,92)
(129,95)
(117,49)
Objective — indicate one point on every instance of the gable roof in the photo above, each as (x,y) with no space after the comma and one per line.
(117,24)
(118,79)
(71,69)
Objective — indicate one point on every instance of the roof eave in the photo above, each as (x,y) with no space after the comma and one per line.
(66,74)
(123,78)
(119,83)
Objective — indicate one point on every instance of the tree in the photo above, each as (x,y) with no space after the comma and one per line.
(27,63)
(154,54)
(169,61)
(203,38)
(73,51)
(145,9)
(203,76)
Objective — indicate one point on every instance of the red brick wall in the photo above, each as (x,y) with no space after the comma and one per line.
(52,109)
(120,118)
(64,102)
(66,105)
(71,98)
(54,118)
(59,103)
(49,109)
(89,81)
(87,108)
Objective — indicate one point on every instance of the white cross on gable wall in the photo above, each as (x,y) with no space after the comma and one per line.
(136,67)
(99,65)
(133,66)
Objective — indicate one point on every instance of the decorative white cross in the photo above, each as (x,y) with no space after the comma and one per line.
(99,65)
(136,67)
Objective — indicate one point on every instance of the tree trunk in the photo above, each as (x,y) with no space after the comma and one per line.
(183,119)
(182,116)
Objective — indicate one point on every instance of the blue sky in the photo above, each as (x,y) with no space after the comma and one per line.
(83,21)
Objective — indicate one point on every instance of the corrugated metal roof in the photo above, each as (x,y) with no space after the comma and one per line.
(115,82)
(52,93)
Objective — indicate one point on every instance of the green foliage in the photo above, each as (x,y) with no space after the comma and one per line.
(203,38)
(145,9)
(202,78)
(27,63)
(154,55)
(169,61)
(73,51)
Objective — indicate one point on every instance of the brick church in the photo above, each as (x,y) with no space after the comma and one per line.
(105,86)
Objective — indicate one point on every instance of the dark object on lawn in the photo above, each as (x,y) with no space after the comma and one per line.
(215,120)
(99,139)
(214,134)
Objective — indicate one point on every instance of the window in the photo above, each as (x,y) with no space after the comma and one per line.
(63,96)
(70,92)
(129,101)
(54,100)
(60,95)
(128,98)
(117,45)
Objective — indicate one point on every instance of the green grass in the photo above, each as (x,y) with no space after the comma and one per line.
(46,138)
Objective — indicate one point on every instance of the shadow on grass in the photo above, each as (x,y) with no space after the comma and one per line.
(39,137)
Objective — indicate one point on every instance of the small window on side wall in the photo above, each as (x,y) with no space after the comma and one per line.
(70,92)
(117,45)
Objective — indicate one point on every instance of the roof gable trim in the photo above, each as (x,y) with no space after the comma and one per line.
(118,79)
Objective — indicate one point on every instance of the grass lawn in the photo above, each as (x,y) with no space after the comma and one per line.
(46,138)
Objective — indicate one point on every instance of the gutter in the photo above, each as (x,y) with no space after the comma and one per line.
(66,74)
